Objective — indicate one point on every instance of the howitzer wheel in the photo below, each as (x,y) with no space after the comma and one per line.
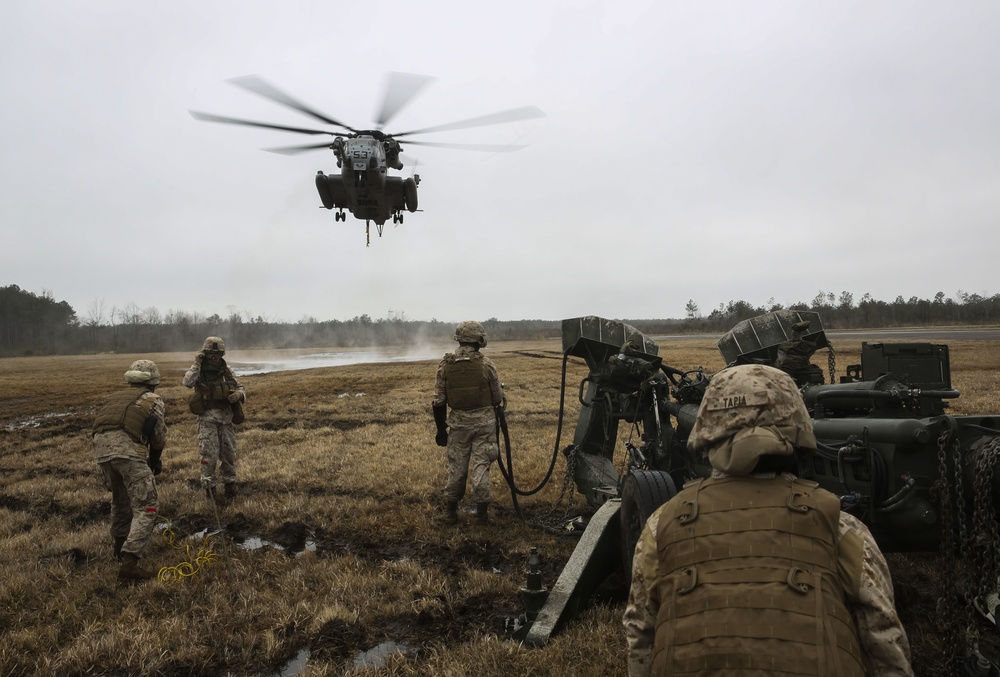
(642,493)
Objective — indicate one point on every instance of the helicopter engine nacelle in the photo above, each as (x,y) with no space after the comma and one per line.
(410,194)
(331,190)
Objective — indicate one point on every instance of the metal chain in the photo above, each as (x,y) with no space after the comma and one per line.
(831,362)
(966,572)
(969,557)
(548,520)
(948,611)
(986,539)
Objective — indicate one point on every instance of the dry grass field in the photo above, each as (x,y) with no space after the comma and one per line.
(332,560)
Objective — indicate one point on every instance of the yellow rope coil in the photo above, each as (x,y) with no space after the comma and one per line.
(202,559)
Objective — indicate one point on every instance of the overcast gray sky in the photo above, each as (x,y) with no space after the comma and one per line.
(710,151)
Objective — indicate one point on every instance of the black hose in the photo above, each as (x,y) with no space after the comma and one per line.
(508,472)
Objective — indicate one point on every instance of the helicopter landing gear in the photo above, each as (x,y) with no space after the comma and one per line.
(397,218)
(340,216)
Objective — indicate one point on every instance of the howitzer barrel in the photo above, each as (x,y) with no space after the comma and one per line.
(853,396)
(884,394)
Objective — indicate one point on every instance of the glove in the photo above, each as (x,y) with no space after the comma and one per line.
(235,397)
(440,416)
(154,462)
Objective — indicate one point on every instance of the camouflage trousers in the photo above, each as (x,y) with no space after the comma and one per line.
(217,447)
(134,504)
(470,453)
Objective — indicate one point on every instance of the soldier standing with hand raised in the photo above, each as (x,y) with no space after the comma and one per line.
(217,402)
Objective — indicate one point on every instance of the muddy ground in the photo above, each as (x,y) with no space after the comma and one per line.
(35,454)
(918,578)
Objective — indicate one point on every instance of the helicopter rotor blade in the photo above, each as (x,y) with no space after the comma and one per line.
(485,147)
(295,150)
(400,88)
(259,86)
(209,117)
(525,113)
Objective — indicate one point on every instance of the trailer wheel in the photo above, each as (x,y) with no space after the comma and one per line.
(642,493)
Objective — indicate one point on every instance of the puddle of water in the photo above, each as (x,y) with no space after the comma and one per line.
(257,543)
(253,543)
(203,533)
(377,655)
(296,665)
(316,360)
(34,421)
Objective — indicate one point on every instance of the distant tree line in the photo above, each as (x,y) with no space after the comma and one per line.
(33,324)
(843,311)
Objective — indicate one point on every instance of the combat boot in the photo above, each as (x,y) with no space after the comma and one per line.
(231,490)
(482,513)
(117,549)
(451,512)
(131,571)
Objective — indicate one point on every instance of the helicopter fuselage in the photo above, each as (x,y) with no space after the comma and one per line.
(363,186)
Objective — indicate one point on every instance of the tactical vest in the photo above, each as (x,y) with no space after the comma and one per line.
(125,410)
(215,393)
(749,582)
(467,384)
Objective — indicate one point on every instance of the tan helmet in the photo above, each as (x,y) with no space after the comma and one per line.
(214,344)
(470,331)
(143,371)
(749,411)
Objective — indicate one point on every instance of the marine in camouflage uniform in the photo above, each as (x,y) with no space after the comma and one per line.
(754,571)
(217,395)
(467,391)
(126,426)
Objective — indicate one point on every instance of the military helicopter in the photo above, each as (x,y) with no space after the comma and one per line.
(364,156)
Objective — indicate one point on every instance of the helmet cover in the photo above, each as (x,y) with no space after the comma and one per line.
(470,331)
(214,344)
(749,411)
(143,371)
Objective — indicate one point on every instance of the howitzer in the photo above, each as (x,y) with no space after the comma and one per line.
(915,475)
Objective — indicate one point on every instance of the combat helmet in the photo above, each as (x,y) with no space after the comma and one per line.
(214,344)
(470,331)
(750,411)
(144,372)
